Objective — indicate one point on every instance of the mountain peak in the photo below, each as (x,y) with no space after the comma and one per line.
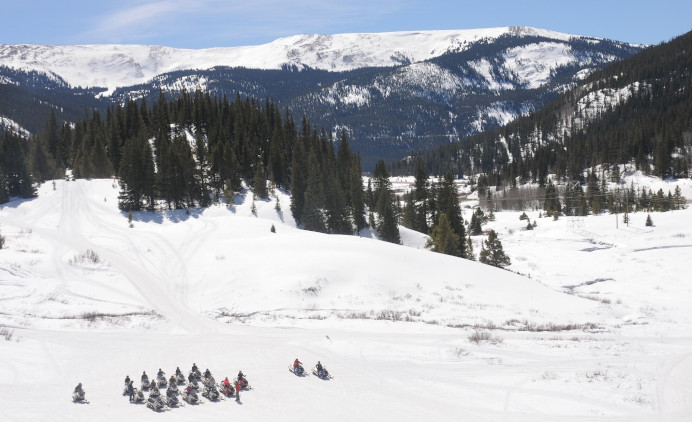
(112,66)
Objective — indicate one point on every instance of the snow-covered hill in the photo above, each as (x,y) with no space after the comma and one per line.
(113,66)
(408,334)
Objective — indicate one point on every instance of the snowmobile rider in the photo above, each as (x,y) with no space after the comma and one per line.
(160,373)
(320,370)
(177,370)
(172,380)
(241,376)
(127,380)
(131,391)
(145,377)
(296,363)
(194,367)
(78,389)
(238,387)
(207,373)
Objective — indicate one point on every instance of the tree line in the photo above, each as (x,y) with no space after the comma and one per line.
(195,150)
(651,129)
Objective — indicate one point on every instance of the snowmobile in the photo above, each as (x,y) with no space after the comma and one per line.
(173,387)
(156,403)
(78,396)
(298,370)
(190,397)
(139,396)
(245,385)
(161,381)
(172,398)
(228,391)
(210,392)
(194,384)
(196,374)
(324,375)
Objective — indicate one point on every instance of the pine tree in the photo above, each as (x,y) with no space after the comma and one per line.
(447,202)
(649,222)
(492,252)
(357,195)
(442,238)
(469,248)
(259,181)
(386,222)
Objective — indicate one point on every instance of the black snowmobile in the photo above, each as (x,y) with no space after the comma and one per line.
(210,391)
(190,397)
(298,370)
(155,402)
(323,374)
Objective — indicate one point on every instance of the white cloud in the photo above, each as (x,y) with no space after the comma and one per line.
(162,20)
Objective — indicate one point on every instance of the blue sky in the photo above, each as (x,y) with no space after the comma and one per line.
(225,23)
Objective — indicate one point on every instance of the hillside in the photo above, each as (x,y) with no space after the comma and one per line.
(635,111)
(215,286)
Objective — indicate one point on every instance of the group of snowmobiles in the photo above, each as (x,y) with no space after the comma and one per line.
(209,388)
(318,370)
(190,393)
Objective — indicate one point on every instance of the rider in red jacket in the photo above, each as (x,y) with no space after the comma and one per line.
(238,387)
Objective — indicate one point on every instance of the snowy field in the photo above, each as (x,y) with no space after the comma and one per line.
(598,329)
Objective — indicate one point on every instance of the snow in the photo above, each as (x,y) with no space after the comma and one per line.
(112,66)
(533,64)
(13,126)
(393,324)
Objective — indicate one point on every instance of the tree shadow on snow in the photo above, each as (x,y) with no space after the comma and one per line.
(160,216)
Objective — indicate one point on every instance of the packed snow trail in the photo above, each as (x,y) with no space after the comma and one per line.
(158,276)
(674,392)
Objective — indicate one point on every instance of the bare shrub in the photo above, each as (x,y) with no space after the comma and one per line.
(7,334)
(390,315)
(557,327)
(354,315)
(460,352)
(88,256)
(549,375)
(478,336)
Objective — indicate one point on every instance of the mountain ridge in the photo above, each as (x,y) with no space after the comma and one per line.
(138,63)
(394,96)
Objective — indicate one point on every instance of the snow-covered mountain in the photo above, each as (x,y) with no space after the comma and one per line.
(115,66)
(395,92)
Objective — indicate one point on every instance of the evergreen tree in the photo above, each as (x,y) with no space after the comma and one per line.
(469,248)
(386,222)
(17,180)
(442,238)
(492,252)
(357,196)
(447,202)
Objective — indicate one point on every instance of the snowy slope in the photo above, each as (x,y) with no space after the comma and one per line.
(216,287)
(113,66)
